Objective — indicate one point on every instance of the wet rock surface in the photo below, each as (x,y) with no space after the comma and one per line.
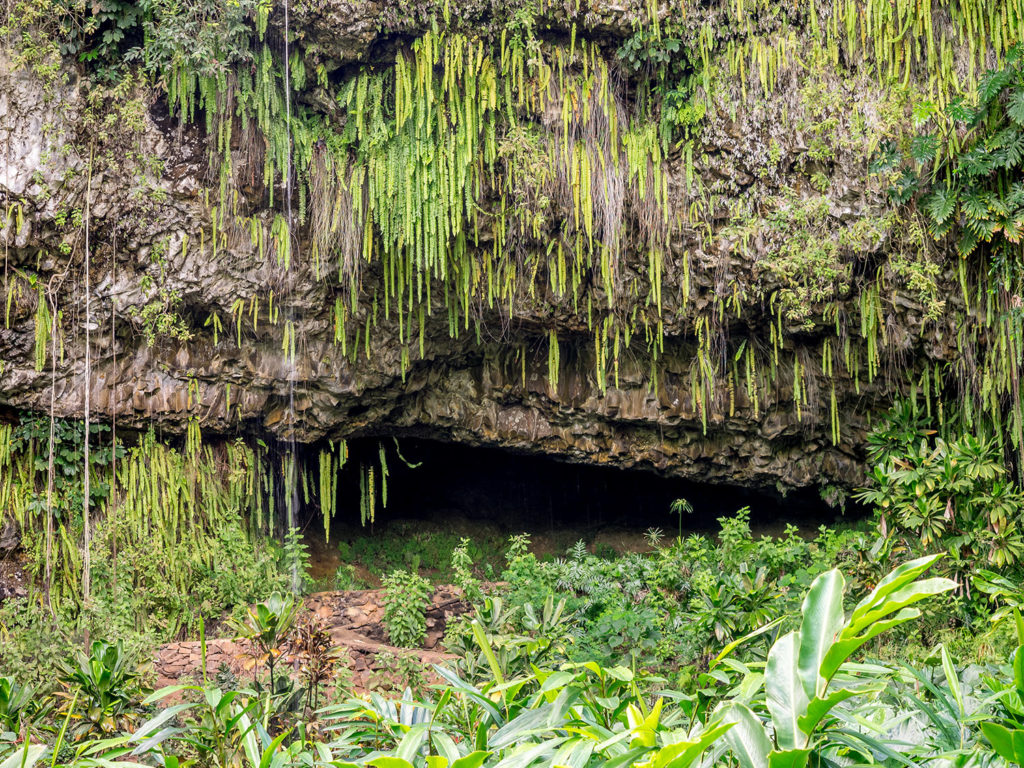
(478,393)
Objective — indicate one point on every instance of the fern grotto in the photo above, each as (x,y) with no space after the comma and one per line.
(507,383)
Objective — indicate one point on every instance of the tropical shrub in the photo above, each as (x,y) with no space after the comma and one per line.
(804,678)
(101,690)
(17,704)
(406,598)
(1005,731)
(267,626)
(808,705)
(949,492)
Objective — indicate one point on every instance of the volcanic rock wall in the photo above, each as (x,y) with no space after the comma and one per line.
(777,168)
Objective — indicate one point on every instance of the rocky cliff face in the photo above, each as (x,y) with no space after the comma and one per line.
(790,310)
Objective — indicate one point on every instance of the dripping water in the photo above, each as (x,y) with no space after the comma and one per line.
(291,468)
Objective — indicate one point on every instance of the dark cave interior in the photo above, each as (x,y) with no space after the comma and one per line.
(434,480)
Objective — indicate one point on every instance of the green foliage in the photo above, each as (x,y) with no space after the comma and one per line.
(807,706)
(102,689)
(800,689)
(17,704)
(159,316)
(944,492)
(1006,733)
(33,644)
(32,435)
(692,596)
(294,561)
(507,640)
(419,545)
(397,673)
(462,570)
(806,260)
(267,627)
(345,578)
(979,194)
(97,32)
(679,507)
(406,598)
(669,68)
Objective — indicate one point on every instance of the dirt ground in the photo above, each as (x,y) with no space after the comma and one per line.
(353,619)
(13,579)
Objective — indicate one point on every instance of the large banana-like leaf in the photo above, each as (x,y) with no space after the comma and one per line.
(822,621)
(884,608)
(784,692)
(746,738)
(683,754)
(817,708)
(788,758)
(1007,742)
(24,757)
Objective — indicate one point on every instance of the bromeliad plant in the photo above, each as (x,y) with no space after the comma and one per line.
(101,690)
(805,678)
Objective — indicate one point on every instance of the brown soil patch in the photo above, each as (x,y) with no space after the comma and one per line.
(14,582)
(354,621)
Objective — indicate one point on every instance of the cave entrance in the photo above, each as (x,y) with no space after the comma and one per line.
(491,493)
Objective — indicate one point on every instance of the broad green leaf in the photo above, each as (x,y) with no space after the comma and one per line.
(789,758)
(410,744)
(444,744)
(472,760)
(896,579)
(24,757)
(620,673)
(953,681)
(629,758)
(858,740)
(556,681)
(897,600)
(573,754)
(784,692)
(749,636)
(685,753)
(156,739)
(437,761)
(821,623)
(151,726)
(530,722)
(166,691)
(388,761)
(941,204)
(819,707)
(842,648)
(462,686)
(271,752)
(488,651)
(1008,744)
(528,754)
(1015,106)
(561,705)
(249,743)
(747,739)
